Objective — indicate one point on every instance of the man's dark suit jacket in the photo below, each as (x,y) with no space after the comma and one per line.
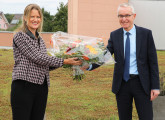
(146,57)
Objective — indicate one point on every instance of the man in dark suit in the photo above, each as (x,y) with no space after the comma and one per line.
(136,73)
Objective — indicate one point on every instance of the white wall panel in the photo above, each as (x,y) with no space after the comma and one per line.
(151,14)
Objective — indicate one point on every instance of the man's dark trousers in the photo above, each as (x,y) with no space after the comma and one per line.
(133,90)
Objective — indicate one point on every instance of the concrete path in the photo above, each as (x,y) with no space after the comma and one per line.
(5,47)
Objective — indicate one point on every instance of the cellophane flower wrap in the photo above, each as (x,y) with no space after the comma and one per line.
(88,49)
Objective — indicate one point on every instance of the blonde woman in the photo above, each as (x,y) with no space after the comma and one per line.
(30,77)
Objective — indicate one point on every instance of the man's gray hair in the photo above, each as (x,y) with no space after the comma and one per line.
(126,5)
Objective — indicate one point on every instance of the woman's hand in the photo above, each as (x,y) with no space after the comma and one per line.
(72,61)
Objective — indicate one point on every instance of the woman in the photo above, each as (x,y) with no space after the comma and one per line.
(30,77)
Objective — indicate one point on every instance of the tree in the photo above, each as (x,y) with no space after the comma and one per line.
(47,21)
(9,17)
(57,22)
(61,19)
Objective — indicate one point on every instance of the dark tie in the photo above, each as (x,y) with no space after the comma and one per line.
(127,58)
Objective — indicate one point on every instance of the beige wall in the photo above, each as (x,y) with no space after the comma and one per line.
(95,18)
(6,38)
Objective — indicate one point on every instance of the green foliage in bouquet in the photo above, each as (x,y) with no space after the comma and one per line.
(79,74)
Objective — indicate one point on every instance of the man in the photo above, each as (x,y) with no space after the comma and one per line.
(136,73)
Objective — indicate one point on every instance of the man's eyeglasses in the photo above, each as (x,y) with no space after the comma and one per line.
(126,16)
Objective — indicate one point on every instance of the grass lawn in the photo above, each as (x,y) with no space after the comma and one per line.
(90,99)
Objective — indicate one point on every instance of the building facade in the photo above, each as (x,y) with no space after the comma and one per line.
(95,18)
(150,14)
(98,18)
(3,22)
(16,19)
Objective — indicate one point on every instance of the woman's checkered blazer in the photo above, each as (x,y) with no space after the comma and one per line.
(31,60)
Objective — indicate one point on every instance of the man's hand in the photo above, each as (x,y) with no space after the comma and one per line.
(85,66)
(154,94)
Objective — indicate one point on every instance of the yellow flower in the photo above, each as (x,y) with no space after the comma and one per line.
(91,49)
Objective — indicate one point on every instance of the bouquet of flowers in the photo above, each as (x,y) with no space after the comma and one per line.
(88,49)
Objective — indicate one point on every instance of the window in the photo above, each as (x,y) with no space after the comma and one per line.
(0,18)
(14,21)
(0,25)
